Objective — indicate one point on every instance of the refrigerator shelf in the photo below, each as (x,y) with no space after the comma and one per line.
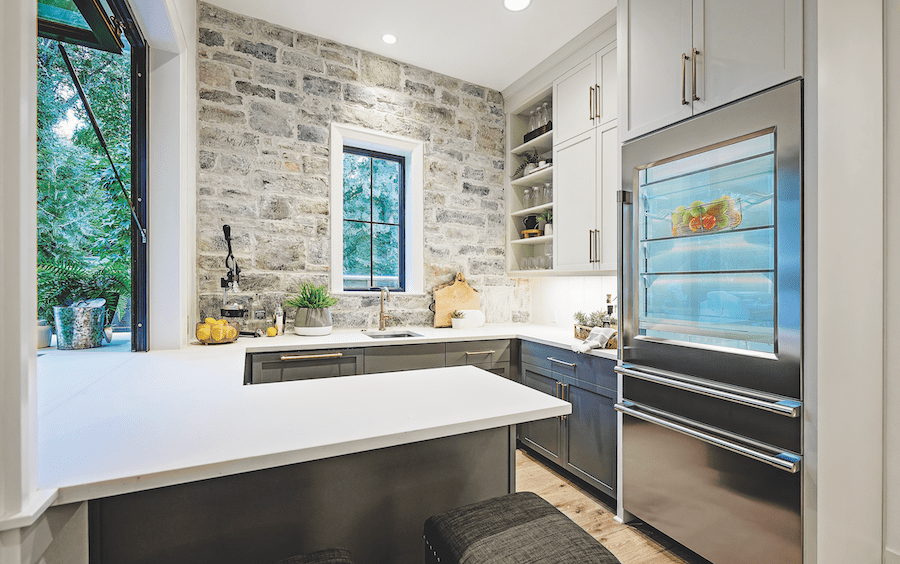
(710,329)
(707,233)
(708,272)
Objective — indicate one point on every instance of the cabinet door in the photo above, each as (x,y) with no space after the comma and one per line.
(745,48)
(404,357)
(607,84)
(653,36)
(573,102)
(575,195)
(544,435)
(608,175)
(590,434)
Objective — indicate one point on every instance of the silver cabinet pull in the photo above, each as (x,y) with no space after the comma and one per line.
(480,352)
(557,361)
(684,59)
(694,77)
(774,404)
(783,461)
(311,356)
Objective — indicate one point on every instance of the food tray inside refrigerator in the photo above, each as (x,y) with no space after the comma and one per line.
(723,213)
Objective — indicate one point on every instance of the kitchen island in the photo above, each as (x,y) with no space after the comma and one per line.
(172,444)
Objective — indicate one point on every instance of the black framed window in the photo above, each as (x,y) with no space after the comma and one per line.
(108,26)
(373,220)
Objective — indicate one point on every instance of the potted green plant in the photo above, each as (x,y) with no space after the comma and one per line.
(79,301)
(547,217)
(313,313)
(456,319)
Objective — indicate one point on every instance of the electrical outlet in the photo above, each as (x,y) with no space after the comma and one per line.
(259,314)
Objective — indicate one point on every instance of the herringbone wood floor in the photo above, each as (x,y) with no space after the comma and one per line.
(632,544)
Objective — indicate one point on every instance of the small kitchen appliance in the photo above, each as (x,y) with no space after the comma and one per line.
(710,311)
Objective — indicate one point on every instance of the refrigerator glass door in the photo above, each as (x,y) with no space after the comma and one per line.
(706,251)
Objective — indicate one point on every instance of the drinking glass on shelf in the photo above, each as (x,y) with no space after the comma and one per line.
(527,198)
(546,114)
(547,193)
(548,256)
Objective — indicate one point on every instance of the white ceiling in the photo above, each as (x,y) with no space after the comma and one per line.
(475,40)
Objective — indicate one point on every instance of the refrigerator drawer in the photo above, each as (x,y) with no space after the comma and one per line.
(730,500)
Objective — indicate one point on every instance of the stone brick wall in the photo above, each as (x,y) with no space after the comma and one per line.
(267,98)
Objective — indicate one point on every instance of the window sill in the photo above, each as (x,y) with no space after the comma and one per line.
(377,293)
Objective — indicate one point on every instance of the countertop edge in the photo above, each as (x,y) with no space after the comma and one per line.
(109,488)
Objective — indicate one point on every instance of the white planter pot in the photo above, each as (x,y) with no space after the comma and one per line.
(44,333)
(313,322)
(548,229)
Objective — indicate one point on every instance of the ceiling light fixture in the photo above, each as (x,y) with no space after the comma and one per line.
(516,5)
(390,39)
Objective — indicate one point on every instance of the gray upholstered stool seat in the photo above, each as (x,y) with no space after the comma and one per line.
(519,528)
(330,556)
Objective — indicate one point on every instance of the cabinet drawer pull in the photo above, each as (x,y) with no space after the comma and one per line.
(591,103)
(311,356)
(694,77)
(684,59)
(480,352)
(557,361)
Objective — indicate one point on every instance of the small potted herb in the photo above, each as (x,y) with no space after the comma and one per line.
(457,319)
(547,217)
(313,313)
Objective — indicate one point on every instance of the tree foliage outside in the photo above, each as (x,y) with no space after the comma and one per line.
(83,219)
(372,221)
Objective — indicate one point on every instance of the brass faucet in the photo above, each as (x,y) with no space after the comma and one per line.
(382,317)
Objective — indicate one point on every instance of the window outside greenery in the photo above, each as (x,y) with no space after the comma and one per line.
(84,223)
(373,220)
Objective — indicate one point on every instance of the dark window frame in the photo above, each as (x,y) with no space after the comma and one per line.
(139,140)
(401,160)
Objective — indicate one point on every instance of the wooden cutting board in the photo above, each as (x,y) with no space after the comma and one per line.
(453,296)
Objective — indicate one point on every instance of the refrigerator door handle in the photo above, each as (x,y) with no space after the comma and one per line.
(783,461)
(785,407)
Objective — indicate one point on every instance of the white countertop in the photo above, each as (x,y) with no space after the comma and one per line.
(117,422)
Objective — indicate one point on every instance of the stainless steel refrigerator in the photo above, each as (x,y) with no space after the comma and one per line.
(710,279)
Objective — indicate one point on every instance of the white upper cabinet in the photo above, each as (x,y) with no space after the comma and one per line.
(586,96)
(684,57)
(653,85)
(574,105)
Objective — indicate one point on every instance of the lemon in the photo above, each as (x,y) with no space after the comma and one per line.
(230,332)
(271,331)
(218,332)
(203,332)
(209,320)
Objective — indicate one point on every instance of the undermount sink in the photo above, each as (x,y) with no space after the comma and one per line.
(391,334)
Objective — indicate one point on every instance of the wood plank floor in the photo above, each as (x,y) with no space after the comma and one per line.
(638,544)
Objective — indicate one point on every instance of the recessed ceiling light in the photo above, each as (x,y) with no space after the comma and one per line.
(516,5)
(391,39)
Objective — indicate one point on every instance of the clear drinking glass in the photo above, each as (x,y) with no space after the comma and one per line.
(547,193)
(527,198)
(546,114)
(532,121)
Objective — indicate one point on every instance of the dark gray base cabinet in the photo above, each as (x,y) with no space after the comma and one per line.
(584,442)
(265,368)
(493,356)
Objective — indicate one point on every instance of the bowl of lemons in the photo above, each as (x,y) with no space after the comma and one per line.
(217,331)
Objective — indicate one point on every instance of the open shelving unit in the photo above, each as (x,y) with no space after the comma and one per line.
(523,254)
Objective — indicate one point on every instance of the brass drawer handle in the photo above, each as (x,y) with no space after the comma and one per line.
(684,59)
(591,103)
(311,356)
(480,352)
